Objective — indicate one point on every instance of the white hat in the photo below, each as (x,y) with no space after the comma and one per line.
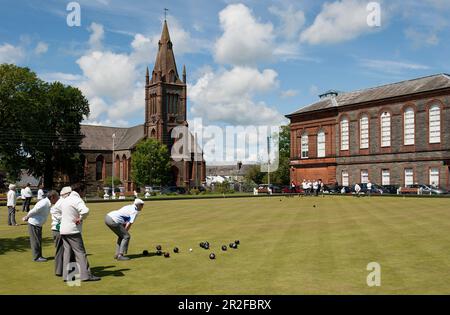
(138,201)
(66,190)
(12,186)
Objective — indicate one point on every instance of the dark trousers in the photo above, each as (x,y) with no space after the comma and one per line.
(35,240)
(74,243)
(26,204)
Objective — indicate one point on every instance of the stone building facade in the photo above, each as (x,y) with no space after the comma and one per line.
(165,108)
(396,134)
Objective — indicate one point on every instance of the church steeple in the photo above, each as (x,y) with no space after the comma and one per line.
(165,69)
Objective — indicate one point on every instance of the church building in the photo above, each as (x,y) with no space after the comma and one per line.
(105,148)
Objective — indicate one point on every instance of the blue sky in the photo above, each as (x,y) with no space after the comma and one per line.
(248,62)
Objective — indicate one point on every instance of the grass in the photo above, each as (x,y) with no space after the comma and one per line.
(288,246)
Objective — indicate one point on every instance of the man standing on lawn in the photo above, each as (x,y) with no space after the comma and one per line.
(74,212)
(28,195)
(11,204)
(56,223)
(36,219)
(120,222)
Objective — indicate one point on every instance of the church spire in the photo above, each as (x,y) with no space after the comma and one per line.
(165,65)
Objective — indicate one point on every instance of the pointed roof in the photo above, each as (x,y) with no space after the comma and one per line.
(165,60)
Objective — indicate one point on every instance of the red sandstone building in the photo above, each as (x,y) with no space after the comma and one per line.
(165,108)
(396,134)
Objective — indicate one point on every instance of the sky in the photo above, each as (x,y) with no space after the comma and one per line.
(248,62)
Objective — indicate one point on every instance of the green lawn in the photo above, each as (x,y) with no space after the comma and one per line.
(288,246)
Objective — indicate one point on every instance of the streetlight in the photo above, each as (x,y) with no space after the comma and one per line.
(113,160)
(268,162)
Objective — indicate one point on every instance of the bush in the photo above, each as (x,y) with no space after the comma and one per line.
(195,191)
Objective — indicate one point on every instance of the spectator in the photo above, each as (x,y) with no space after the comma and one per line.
(357,189)
(11,204)
(28,195)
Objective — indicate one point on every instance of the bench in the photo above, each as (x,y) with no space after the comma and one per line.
(405,190)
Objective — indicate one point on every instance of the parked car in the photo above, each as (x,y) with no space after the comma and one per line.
(262,189)
(155,189)
(376,189)
(390,189)
(437,190)
(173,190)
(288,190)
(422,189)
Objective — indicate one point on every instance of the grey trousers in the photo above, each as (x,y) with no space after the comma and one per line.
(11,216)
(35,240)
(74,242)
(123,237)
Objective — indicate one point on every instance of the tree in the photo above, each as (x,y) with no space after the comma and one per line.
(254,174)
(150,163)
(20,97)
(39,125)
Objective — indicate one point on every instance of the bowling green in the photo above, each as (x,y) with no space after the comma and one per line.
(287,246)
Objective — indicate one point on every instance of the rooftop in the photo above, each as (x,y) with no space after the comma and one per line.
(419,85)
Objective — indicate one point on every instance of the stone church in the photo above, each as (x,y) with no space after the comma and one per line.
(165,108)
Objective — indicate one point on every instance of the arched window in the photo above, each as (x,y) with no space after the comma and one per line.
(321,144)
(364,132)
(435,124)
(409,126)
(305,145)
(385,130)
(344,134)
(99,167)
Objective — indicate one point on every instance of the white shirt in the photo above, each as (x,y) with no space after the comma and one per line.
(357,188)
(40,194)
(11,198)
(124,215)
(27,192)
(22,192)
(369,186)
(72,208)
(56,213)
(304,185)
(316,185)
(39,214)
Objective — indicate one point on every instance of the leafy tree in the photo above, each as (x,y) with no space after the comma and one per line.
(151,163)
(20,97)
(254,174)
(40,125)
(109,180)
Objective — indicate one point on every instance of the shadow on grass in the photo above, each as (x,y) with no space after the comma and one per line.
(19,244)
(102,272)
(137,256)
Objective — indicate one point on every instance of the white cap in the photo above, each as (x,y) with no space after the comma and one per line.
(138,201)
(66,190)
(12,186)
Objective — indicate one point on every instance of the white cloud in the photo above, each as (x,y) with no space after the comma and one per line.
(41,48)
(292,21)
(11,54)
(96,38)
(339,21)
(244,40)
(66,78)
(289,93)
(226,96)
(390,66)
(107,74)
